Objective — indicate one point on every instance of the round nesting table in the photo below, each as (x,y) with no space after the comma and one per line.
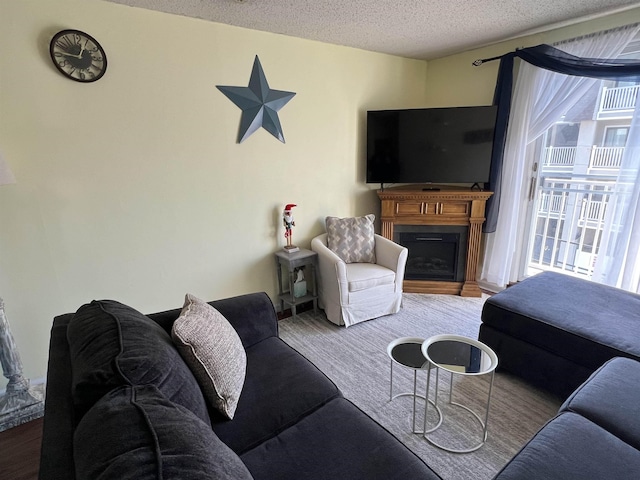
(407,352)
(459,356)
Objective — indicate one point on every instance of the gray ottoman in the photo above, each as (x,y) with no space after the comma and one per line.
(554,330)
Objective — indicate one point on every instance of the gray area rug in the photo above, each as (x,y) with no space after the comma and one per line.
(356,360)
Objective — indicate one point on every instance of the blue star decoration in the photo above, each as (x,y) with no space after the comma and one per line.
(259,104)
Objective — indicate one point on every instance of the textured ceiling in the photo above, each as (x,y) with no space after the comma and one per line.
(423,29)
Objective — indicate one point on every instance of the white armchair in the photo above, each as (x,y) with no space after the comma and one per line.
(354,292)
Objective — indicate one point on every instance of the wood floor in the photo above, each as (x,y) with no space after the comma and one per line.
(20,451)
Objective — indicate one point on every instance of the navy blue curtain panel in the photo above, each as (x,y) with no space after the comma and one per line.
(549,58)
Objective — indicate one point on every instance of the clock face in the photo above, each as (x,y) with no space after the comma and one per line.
(78,56)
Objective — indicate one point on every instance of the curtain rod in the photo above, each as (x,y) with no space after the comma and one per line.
(480,61)
(595,34)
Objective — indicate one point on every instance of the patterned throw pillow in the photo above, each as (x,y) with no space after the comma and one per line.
(214,352)
(352,239)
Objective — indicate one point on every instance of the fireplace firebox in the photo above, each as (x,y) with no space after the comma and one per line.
(435,252)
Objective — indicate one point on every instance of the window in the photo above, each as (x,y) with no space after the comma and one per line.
(615,136)
(569,202)
(563,135)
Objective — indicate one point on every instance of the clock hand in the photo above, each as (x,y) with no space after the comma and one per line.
(82,49)
(67,54)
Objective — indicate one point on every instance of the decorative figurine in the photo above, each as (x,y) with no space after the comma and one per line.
(287,220)
(18,393)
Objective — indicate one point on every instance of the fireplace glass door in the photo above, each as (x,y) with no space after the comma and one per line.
(434,252)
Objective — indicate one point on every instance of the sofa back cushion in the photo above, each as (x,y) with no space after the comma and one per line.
(112,345)
(144,436)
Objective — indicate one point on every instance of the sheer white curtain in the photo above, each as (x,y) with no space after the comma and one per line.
(618,262)
(540,99)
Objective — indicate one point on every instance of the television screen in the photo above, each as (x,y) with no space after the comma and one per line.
(430,145)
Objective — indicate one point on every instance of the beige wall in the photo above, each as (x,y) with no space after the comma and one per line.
(454,81)
(133,188)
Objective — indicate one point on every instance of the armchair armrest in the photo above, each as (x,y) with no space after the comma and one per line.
(392,256)
(330,266)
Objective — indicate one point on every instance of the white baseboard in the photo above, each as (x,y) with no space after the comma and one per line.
(489,287)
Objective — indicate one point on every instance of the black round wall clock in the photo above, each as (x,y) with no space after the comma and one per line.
(78,56)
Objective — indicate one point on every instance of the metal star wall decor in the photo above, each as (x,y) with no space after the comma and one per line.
(259,104)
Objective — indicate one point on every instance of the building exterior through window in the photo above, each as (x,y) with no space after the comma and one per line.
(579,160)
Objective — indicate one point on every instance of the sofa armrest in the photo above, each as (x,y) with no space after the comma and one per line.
(331,267)
(56,460)
(392,256)
(252,315)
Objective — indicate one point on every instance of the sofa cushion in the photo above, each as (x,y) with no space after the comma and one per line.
(336,441)
(212,349)
(569,317)
(352,239)
(281,386)
(112,345)
(570,447)
(609,398)
(145,436)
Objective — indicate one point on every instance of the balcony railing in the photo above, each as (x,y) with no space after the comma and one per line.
(559,158)
(569,223)
(592,211)
(618,98)
(606,158)
(551,203)
(601,159)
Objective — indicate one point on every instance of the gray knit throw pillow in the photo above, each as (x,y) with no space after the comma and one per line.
(352,239)
(211,348)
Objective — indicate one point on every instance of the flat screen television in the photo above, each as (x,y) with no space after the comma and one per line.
(430,145)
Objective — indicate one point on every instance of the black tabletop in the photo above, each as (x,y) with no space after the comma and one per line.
(409,354)
(457,356)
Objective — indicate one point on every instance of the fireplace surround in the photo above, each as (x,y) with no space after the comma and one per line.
(411,212)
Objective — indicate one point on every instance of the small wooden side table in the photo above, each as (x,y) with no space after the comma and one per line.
(291,261)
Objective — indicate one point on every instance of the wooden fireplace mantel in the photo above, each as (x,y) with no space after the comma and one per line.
(411,205)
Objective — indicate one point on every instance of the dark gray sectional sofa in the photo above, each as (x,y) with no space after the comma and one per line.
(596,434)
(121,404)
(124,406)
(580,340)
